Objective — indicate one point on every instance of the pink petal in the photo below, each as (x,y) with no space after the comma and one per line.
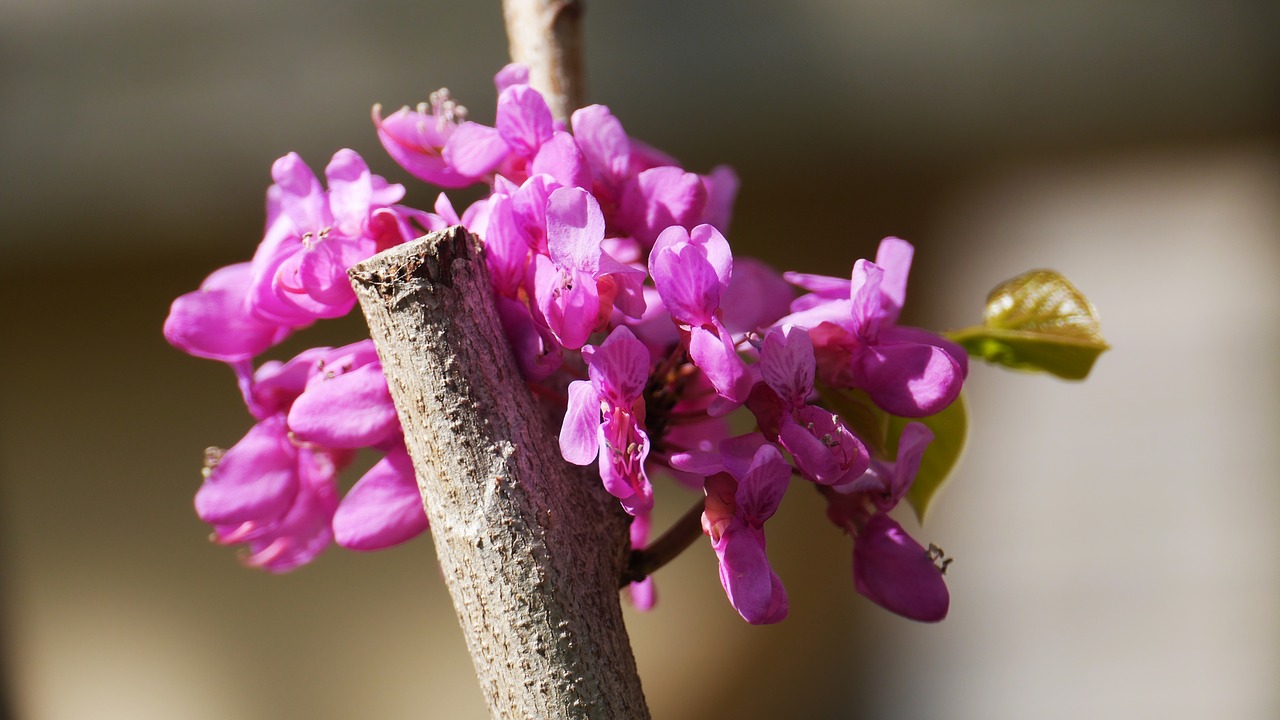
(716,248)
(894,571)
(899,333)
(506,251)
(686,282)
(716,357)
(619,368)
(753,588)
(323,271)
(511,74)
(822,285)
(894,255)
(350,410)
(383,508)
(561,159)
(354,191)
(623,450)
(475,150)
(659,198)
(305,531)
(274,387)
(604,143)
(415,140)
(301,198)
(865,293)
(738,453)
(643,594)
(913,442)
(216,322)
(579,435)
(523,120)
(256,480)
(787,363)
(570,302)
(760,490)
(908,379)
(824,449)
(575,227)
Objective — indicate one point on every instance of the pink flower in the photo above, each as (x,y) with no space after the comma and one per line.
(612,158)
(313,237)
(217,322)
(824,449)
(659,198)
(578,284)
(889,567)
(346,403)
(275,490)
(522,127)
(692,272)
(383,508)
(744,487)
(605,418)
(272,495)
(416,138)
(906,371)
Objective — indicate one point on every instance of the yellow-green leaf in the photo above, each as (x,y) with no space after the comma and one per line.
(950,431)
(1037,322)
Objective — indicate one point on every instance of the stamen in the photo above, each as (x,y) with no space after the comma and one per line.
(939,558)
(212,456)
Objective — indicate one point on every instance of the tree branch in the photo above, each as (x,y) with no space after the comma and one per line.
(682,533)
(546,35)
(530,546)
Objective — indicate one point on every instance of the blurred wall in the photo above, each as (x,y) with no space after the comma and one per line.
(1115,540)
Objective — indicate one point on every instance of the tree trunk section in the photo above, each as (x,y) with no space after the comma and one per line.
(530,546)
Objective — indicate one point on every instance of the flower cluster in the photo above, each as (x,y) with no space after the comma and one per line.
(613,278)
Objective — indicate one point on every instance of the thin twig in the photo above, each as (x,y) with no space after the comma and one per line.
(546,36)
(674,541)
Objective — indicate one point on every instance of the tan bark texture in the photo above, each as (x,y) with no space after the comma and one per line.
(530,546)
(546,35)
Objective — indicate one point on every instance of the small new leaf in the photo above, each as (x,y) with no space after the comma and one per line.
(950,431)
(1037,322)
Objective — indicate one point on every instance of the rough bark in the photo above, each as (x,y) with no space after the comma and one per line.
(546,36)
(530,546)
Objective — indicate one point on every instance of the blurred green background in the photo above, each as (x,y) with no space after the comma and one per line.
(1116,541)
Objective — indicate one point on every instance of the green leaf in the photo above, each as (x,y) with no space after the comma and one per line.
(1037,322)
(950,431)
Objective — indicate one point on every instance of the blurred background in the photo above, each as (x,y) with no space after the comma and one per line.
(1116,543)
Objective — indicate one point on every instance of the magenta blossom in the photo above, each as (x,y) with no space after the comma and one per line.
(383,508)
(605,418)
(579,284)
(272,495)
(906,371)
(217,322)
(416,138)
(744,487)
(824,449)
(691,271)
(889,567)
(313,237)
(523,125)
